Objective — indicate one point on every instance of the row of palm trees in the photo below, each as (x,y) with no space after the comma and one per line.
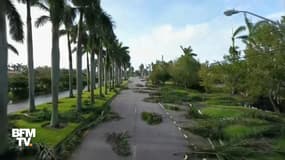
(87,26)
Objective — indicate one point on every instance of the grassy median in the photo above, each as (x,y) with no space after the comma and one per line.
(236,132)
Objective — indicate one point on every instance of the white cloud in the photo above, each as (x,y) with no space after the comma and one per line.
(276,16)
(209,40)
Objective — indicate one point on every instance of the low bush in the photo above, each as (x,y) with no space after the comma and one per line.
(39,116)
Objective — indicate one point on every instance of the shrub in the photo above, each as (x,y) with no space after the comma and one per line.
(71,116)
(18,87)
(38,116)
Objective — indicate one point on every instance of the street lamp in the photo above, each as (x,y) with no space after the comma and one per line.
(233,11)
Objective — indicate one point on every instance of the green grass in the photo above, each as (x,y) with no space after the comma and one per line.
(169,94)
(224,111)
(239,131)
(280,143)
(224,118)
(178,95)
(46,135)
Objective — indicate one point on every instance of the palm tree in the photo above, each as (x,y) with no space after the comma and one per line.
(88,71)
(31,75)
(234,53)
(69,16)
(86,12)
(7,9)
(106,35)
(188,51)
(126,62)
(56,10)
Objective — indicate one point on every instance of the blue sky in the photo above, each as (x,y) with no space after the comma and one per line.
(139,22)
(153,28)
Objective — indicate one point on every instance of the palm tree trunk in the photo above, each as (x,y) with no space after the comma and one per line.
(106,77)
(30,59)
(95,71)
(70,66)
(88,73)
(92,77)
(113,75)
(110,78)
(100,72)
(118,74)
(3,82)
(79,66)
(55,75)
(126,73)
(273,103)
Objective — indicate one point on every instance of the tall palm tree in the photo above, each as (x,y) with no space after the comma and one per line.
(126,62)
(121,60)
(70,29)
(56,14)
(106,35)
(79,64)
(7,9)
(86,8)
(88,71)
(31,75)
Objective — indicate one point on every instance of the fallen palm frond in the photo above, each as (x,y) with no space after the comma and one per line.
(119,143)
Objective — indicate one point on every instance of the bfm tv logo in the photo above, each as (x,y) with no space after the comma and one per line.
(24,136)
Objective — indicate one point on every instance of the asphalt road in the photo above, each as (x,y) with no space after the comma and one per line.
(159,142)
(38,100)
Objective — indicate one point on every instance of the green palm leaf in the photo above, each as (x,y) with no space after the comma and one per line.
(42,21)
(239,30)
(15,22)
(13,49)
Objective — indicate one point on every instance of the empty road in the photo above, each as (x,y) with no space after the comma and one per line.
(158,142)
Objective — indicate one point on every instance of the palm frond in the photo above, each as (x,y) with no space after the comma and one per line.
(260,23)
(69,16)
(13,49)
(42,21)
(62,32)
(248,23)
(56,11)
(41,6)
(239,30)
(107,24)
(15,22)
(243,37)
(74,50)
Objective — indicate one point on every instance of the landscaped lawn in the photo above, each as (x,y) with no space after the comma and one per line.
(46,135)
(68,116)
